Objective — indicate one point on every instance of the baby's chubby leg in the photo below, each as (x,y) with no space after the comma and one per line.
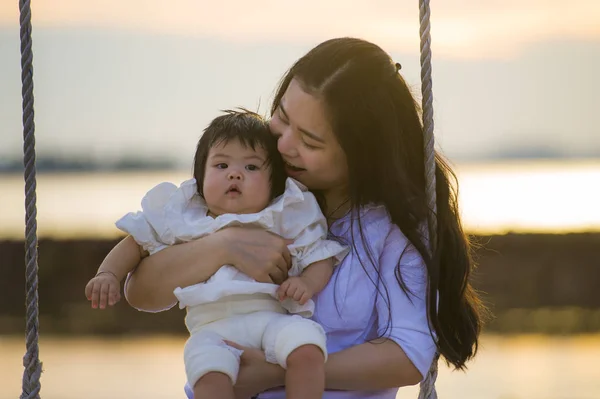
(214,385)
(299,346)
(211,365)
(305,374)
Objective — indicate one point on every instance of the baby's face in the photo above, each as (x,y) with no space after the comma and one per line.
(237,179)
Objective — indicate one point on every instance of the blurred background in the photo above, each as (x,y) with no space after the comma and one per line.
(124,89)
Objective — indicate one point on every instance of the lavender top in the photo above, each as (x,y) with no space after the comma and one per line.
(351,310)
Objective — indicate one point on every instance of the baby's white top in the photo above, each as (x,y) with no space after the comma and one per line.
(172,215)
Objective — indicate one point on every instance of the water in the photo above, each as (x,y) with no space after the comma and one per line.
(494,198)
(552,197)
(523,367)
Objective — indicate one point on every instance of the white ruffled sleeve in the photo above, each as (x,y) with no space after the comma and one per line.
(304,222)
(148,227)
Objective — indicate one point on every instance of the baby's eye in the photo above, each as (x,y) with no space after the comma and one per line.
(252,167)
(221,166)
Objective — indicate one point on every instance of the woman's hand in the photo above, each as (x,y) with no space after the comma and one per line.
(259,254)
(256,375)
(255,252)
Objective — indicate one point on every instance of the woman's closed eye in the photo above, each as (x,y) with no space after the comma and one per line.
(282,117)
(309,146)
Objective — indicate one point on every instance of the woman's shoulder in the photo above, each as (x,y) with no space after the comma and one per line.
(393,246)
(374,214)
(377,219)
(372,221)
(370,228)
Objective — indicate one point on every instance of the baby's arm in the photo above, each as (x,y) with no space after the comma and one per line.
(314,254)
(317,275)
(105,286)
(312,281)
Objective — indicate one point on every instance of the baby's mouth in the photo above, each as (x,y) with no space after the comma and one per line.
(233,190)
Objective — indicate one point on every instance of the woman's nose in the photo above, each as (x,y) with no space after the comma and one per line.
(287,145)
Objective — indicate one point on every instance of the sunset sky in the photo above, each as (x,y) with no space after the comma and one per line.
(113,74)
(462,28)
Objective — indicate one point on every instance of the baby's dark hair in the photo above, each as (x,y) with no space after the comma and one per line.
(252,130)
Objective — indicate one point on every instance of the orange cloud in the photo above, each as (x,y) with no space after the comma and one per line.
(461,28)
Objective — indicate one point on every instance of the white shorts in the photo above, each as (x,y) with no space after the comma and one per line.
(275,333)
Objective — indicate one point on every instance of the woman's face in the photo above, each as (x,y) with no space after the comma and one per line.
(307,143)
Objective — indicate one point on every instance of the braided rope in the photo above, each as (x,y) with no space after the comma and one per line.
(31,362)
(427,387)
(33,367)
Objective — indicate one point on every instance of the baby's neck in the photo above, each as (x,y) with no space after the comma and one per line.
(214,215)
(211,214)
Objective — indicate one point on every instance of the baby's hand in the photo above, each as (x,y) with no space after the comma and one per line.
(295,288)
(103,288)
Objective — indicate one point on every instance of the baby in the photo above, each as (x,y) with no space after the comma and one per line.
(239,180)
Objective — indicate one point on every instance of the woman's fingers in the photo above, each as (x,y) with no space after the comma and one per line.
(278,271)
(260,254)
(280,244)
(287,257)
(234,345)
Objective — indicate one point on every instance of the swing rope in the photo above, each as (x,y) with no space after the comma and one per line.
(31,361)
(427,386)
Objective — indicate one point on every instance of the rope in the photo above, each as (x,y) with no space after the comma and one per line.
(31,362)
(427,387)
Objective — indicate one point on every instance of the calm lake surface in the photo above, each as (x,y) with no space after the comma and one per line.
(495,198)
(521,367)
(520,196)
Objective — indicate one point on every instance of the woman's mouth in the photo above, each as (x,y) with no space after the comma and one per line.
(293,168)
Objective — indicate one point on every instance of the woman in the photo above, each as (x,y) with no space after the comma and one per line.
(349,129)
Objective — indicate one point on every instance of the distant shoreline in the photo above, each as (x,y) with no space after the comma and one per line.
(533,283)
(495,198)
(74,165)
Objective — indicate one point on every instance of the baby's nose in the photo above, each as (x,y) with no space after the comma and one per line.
(234,175)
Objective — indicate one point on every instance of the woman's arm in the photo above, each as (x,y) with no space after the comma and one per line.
(370,366)
(150,287)
(255,252)
(407,349)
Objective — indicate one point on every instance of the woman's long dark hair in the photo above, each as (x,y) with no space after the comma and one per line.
(377,123)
